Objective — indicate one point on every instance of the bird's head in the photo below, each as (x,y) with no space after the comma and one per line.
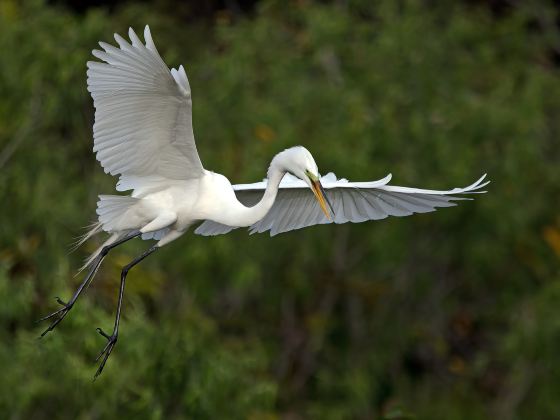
(300,163)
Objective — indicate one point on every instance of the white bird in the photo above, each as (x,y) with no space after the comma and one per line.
(143,133)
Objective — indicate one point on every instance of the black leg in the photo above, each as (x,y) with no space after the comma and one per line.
(61,313)
(112,339)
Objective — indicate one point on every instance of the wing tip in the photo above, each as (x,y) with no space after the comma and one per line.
(148,38)
(123,43)
(100,55)
(134,38)
(477,185)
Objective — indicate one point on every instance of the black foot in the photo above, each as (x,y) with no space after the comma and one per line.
(60,314)
(106,352)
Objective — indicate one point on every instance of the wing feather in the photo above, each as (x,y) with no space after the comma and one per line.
(295,206)
(143,114)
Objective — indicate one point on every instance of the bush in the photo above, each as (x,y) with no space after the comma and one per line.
(447,315)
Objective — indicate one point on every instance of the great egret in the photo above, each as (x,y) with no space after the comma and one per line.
(143,133)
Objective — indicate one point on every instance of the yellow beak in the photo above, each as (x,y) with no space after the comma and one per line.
(319,192)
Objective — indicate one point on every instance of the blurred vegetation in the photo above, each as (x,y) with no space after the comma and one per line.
(447,315)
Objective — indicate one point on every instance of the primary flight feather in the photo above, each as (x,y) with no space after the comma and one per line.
(143,133)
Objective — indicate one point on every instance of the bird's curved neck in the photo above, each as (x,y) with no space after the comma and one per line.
(251,215)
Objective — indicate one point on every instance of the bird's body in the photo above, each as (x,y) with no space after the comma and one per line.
(167,212)
(143,133)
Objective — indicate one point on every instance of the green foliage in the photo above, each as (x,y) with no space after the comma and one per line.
(444,315)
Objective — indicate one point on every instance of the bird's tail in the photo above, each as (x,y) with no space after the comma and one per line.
(92,230)
(112,239)
(111,211)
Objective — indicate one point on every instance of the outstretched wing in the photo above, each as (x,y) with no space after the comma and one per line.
(296,207)
(143,120)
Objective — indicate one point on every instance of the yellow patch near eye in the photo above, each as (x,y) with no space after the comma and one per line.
(310,175)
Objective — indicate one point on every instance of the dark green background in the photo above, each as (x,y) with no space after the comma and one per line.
(447,315)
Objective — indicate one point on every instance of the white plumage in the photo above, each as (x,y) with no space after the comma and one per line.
(143,133)
(142,114)
(295,206)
